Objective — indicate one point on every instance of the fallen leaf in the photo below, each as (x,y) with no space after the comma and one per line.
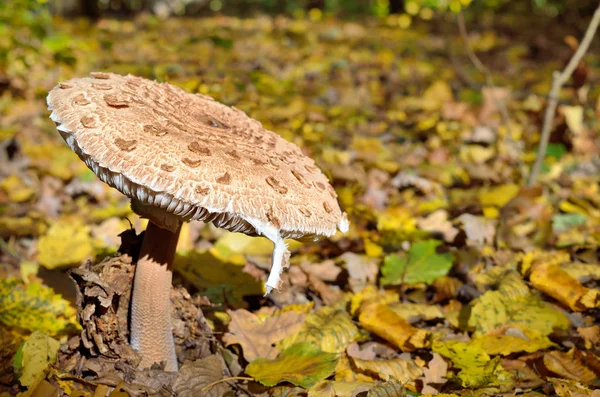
(422,264)
(568,365)
(398,368)
(384,322)
(361,269)
(34,358)
(66,243)
(329,329)
(479,230)
(390,388)
(434,374)
(494,309)
(35,307)
(498,196)
(302,364)
(437,222)
(194,378)
(552,280)
(477,368)
(258,337)
(414,312)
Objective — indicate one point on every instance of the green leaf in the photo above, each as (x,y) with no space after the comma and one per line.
(562,222)
(302,364)
(34,358)
(556,150)
(420,265)
(35,307)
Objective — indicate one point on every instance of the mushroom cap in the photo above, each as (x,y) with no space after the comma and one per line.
(193,157)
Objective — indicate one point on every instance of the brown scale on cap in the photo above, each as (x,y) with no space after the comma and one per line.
(198,142)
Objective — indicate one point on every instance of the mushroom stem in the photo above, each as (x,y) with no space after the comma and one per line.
(150,320)
(280,259)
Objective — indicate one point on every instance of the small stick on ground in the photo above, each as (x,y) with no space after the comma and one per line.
(462,28)
(558,80)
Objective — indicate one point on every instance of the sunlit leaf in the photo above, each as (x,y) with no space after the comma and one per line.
(34,358)
(477,368)
(35,307)
(330,329)
(422,264)
(66,243)
(301,364)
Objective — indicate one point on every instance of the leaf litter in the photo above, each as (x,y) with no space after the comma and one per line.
(453,280)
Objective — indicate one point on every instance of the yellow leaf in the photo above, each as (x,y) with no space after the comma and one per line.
(552,280)
(477,368)
(258,338)
(476,154)
(66,243)
(16,189)
(302,364)
(329,329)
(385,323)
(231,247)
(220,282)
(371,294)
(21,226)
(338,389)
(574,118)
(398,368)
(413,312)
(34,358)
(34,306)
(498,196)
(494,309)
(436,95)
(527,341)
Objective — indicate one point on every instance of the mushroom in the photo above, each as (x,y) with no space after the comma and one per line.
(183,157)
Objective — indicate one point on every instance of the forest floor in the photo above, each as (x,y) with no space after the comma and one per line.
(454,278)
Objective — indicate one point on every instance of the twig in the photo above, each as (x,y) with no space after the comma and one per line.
(207,387)
(558,80)
(462,28)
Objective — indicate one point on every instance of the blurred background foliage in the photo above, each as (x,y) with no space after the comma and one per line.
(28,42)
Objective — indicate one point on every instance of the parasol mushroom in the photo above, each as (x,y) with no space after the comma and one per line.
(183,157)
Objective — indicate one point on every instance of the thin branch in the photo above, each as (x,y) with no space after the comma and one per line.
(558,80)
(462,28)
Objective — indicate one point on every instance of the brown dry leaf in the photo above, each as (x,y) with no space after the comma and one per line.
(434,374)
(329,294)
(552,280)
(590,335)
(524,374)
(437,222)
(258,337)
(387,324)
(568,365)
(494,98)
(326,271)
(194,377)
(479,230)
(361,269)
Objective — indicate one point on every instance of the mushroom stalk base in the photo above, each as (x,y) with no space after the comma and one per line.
(150,320)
